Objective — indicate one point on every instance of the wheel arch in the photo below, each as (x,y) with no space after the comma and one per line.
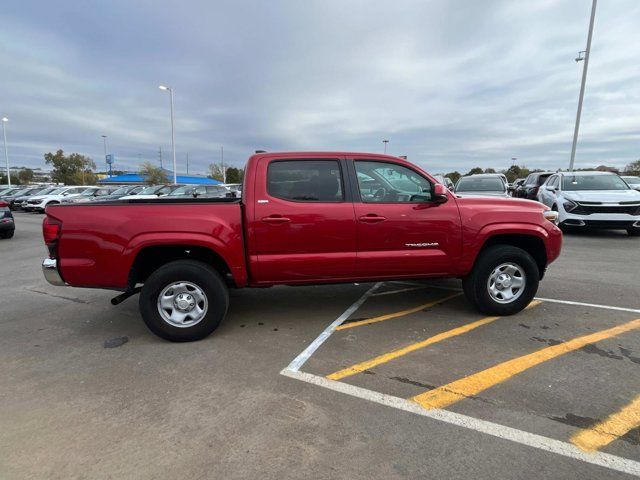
(530,243)
(149,258)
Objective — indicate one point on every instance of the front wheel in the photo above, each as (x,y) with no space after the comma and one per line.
(503,281)
(183,301)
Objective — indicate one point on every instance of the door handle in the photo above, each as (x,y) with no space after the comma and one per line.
(372,218)
(276,219)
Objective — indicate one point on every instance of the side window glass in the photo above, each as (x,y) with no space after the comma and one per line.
(305,180)
(391,183)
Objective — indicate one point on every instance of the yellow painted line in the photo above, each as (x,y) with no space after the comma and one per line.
(390,316)
(615,426)
(387,357)
(451,393)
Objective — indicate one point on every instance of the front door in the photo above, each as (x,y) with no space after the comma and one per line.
(401,231)
(304,224)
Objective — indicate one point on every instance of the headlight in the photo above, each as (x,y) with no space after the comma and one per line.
(569,205)
(551,215)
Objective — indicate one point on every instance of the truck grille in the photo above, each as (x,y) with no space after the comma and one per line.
(588,209)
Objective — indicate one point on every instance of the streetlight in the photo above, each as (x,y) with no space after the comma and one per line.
(385,145)
(173,138)
(106,161)
(582,84)
(6,154)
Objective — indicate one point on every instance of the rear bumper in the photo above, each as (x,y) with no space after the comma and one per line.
(51,273)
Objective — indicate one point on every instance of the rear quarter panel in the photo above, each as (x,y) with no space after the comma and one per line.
(99,243)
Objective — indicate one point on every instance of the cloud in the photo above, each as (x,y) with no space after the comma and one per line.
(451,84)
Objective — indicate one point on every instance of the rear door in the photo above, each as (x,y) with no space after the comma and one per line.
(304,223)
(401,231)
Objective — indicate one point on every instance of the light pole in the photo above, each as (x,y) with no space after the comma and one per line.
(582,85)
(173,138)
(104,141)
(385,145)
(224,171)
(6,154)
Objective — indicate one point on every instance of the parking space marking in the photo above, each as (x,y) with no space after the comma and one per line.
(614,427)
(326,333)
(387,357)
(391,316)
(551,445)
(402,290)
(471,385)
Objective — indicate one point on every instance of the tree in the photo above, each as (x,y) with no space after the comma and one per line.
(606,168)
(74,169)
(489,170)
(215,172)
(153,175)
(25,175)
(633,168)
(453,176)
(14,179)
(235,175)
(475,171)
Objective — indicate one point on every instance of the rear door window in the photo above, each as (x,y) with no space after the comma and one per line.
(306,180)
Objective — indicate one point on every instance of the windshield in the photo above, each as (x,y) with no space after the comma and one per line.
(57,191)
(490,184)
(593,182)
(88,191)
(150,190)
(186,190)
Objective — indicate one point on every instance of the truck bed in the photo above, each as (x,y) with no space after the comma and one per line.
(100,241)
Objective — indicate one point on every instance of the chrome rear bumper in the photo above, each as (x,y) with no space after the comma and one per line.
(50,272)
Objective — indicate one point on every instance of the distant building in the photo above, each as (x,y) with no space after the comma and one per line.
(137,179)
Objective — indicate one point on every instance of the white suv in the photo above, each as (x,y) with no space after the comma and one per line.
(40,202)
(592,199)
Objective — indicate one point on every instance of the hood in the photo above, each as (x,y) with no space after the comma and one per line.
(604,196)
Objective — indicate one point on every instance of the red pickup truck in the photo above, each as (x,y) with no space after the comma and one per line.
(304,218)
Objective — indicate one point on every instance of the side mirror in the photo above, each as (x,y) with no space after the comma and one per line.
(440,194)
(552,189)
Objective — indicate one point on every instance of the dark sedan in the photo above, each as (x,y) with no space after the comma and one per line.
(7,226)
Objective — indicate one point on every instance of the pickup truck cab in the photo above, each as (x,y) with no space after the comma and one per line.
(304,218)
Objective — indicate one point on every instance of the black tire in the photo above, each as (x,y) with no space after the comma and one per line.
(197,273)
(8,234)
(633,232)
(475,285)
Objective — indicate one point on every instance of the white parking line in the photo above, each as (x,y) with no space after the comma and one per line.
(540,442)
(565,449)
(313,346)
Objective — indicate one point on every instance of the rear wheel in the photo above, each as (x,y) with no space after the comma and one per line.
(184,301)
(503,281)
(7,234)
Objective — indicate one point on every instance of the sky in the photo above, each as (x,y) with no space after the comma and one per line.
(452,84)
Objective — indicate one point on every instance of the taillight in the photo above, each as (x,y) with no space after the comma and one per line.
(51,233)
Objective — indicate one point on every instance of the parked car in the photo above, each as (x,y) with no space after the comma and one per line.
(446,181)
(304,218)
(7,224)
(90,194)
(11,198)
(529,189)
(632,181)
(236,188)
(17,202)
(202,191)
(153,191)
(123,191)
(592,199)
(11,191)
(483,184)
(40,202)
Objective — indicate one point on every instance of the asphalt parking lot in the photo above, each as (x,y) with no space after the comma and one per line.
(406,382)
